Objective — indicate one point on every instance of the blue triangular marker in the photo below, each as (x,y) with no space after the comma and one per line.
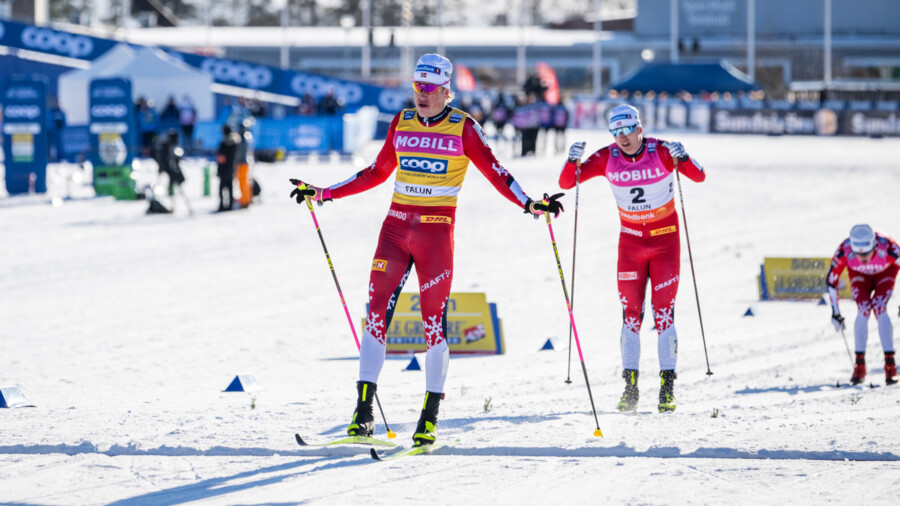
(413,365)
(12,397)
(548,345)
(822,302)
(243,383)
(749,312)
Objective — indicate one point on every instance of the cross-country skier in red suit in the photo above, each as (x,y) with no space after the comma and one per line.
(872,260)
(640,172)
(432,145)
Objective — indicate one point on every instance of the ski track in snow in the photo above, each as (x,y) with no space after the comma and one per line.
(123,329)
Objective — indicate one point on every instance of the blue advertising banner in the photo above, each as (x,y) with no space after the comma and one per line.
(56,42)
(26,145)
(223,71)
(113,135)
(295,84)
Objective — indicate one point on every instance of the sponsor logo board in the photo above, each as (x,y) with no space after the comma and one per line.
(798,278)
(473,326)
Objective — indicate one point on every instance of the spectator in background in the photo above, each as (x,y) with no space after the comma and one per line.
(308,105)
(500,115)
(330,104)
(168,157)
(244,150)
(560,122)
(257,108)
(526,119)
(239,112)
(225,160)
(168,117)
(187,118)
(57,122)
(545,115)
(148,124)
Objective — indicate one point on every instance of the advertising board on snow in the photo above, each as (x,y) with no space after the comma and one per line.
(473,327)
(798,278)
(25,142)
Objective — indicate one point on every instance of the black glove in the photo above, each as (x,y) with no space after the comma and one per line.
(838,321)
(303,190)
(550,205)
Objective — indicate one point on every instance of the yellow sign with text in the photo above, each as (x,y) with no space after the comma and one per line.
(798,278)
(473,327)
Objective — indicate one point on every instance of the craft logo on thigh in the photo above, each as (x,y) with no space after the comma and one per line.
(436,219)
(379,265)
(662,231)
(627,276)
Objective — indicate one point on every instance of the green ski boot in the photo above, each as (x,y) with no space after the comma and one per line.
(667,390)
(426,429)
(363,423)
(629,399)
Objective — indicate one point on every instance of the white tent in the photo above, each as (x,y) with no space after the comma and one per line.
(153,74)
(74,85)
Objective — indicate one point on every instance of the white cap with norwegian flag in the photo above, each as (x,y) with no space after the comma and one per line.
(623,116)
(435,69)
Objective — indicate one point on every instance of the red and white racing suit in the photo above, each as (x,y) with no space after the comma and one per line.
(433,156)
(649,242)
(871,284)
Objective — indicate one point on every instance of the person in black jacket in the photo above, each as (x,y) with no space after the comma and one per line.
(225,158)
(168,156)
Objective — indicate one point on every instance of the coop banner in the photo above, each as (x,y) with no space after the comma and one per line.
(797,278)
(473,327)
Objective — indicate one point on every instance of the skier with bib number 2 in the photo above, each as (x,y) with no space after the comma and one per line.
(432,144)
(640,172)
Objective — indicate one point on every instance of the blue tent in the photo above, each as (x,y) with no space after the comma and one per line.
(690,77)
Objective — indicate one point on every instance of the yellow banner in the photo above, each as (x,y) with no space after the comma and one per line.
(473,327)
(798,278)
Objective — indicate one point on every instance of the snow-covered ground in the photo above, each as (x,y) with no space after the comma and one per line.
(123,329)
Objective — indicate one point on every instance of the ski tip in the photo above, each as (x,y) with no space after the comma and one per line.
(597,433)
(374,454)
(300,440)
(391,434)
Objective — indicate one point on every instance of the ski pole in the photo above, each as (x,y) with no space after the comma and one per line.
(572,320)
(849,355)
(574,248)
(693,273)
(391,434)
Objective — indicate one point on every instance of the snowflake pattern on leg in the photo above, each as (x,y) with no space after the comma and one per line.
(375,327)
(664,318)
(371,290)
(434,328)
(865,308)
(632,324)
(623,299)
(879,304)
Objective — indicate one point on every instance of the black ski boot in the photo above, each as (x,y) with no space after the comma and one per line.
(629,399)
(426,429)
(363,423)
(667,390)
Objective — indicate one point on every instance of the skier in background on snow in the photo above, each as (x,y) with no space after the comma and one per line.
(641,174)
(873,261)
(432,144)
